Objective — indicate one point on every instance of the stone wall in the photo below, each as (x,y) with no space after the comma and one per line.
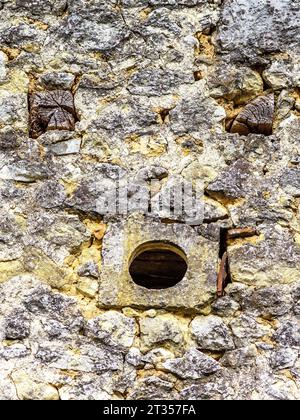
(161,92)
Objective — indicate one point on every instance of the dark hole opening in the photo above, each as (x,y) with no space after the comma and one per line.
(158,268)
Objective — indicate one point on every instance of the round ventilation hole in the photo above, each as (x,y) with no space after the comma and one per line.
(158,265)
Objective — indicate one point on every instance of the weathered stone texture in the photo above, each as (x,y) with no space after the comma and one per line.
(251,30)
(211,333)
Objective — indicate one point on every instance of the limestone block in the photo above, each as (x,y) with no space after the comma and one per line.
(246,329)
(153,388)
(3,70)
(27,389)
(88,287)
(197,287)
(274,29)
(284,357)
(211,333)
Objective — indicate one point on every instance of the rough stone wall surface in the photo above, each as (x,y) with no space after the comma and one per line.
(156,85)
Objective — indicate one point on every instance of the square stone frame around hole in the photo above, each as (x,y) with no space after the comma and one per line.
(117,289)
